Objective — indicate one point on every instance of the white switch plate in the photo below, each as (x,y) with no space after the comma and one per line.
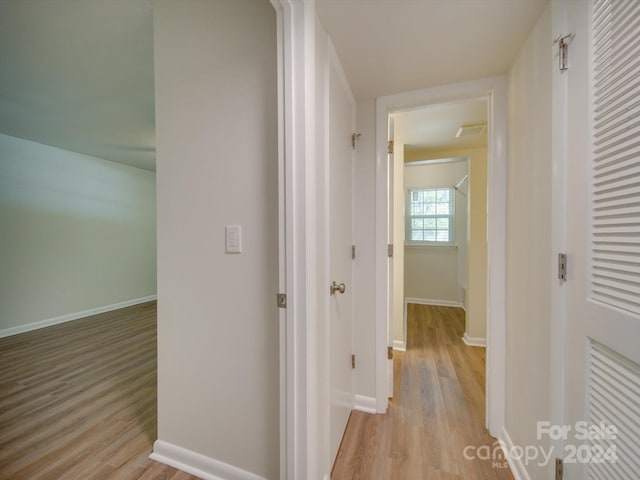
(233,238)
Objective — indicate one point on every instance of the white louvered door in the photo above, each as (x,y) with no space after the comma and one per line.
(602,372)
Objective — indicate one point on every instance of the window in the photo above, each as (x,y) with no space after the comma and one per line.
(429,215)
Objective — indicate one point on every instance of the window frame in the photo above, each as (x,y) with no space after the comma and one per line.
(451,216)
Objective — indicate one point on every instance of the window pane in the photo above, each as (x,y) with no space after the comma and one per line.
(430,235)
(443,236)
(442,195)
(443,224)
(429,222)
(442,208)
(429,196)
(430,209)
(417,235)
(417,223)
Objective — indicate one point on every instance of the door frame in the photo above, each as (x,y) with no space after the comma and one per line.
(494,89)
(297,265)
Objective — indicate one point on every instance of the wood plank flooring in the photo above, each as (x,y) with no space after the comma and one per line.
(437,411)
(78,400)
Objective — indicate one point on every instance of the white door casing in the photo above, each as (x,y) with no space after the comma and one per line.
(341,126)
(494,90)
(603,247)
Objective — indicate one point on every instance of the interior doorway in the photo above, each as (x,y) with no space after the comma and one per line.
(439,220)
(493,91)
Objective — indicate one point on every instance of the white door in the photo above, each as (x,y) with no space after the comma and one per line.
(602,378)
(393,295)
(341,127)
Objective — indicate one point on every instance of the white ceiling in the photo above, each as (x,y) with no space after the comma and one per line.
(78,75)
(434,128)
(391,46)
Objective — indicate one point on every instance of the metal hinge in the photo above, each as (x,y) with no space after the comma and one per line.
(559,469)
(353,252)
(390,250)
(354,139)
(282,300)
(563,42)
(353,360)
(390,147)
(562,266)
(389,353)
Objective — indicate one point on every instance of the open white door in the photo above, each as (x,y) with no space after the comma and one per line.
(341,124)
(391,259)
(602,376)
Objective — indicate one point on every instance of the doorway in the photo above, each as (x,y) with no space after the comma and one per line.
(439,221)
(493,90)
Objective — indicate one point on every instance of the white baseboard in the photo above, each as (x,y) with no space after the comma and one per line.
(365,404)
(474,341)
(400,345)
(73,316)
(431,301)
(196,464)
(517,467)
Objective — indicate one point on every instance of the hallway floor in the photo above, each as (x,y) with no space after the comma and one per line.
(436,415)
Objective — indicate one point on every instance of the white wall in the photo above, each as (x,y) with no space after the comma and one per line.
(432,272)
(529,254)
(77,233)
(216,127)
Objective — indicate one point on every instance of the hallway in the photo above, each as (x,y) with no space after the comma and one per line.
(437,411)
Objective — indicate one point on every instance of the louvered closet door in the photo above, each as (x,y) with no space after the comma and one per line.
(602,363)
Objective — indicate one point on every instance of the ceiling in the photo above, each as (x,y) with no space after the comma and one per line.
(78,75)
(391,46)
(434,128)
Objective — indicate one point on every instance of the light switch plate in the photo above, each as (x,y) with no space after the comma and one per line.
(233,238)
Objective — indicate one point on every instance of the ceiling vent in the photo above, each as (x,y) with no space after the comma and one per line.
(471,130)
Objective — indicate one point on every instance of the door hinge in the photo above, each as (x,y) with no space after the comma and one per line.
(353,252)
(354,139)
(282,300)
(390,250)
(390,147)
(563,42)
(559,469)
(353,360)
(562,266)
(389,353)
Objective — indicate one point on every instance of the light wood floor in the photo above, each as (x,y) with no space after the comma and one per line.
(78,400)
(437,410)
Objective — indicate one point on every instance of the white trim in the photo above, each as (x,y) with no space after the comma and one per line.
(365,404)
(282,238)
(494,89)
(400,345)
(434,302)
(196,464)
(296,72)
(474,341)
(517,466)
(7,332)
(558,319)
